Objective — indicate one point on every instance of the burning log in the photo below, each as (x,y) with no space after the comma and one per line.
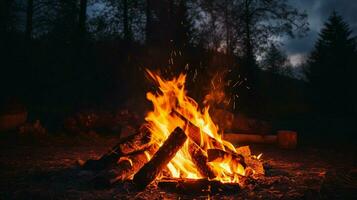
(244,151)
(256,165)
(194,133)
(198,186)
(161,158)
(125,168)
(252,161)
(127,146)
(218,155)
(134,143)
(200,159)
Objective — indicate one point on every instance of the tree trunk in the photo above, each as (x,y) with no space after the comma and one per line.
(82,17)
(148,28)
(29,19)
(126,27)
(248,51)
(226,22)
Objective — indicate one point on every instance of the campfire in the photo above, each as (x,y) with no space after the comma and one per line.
(179,145)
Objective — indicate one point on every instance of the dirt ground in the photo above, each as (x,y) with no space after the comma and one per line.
(47,169)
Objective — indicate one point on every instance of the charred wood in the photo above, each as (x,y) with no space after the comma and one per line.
(202,140)
(125,168)
(218,155)
(126,146)
(200,159)
(161,158)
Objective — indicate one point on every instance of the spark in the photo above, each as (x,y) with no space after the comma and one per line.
(234,103)
(195,75)
(236,84)
(212,82)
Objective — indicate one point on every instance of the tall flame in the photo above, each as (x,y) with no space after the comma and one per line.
(173,96)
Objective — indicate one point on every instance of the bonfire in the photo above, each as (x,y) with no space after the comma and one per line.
(178,144)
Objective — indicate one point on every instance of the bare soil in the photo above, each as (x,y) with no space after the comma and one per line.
(48,169)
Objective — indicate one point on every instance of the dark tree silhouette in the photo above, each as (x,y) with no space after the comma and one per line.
(7,16)
(126,26)
(274,60)
(220,25)
(332,68)
(247,27)
(148,24)
(82,19)
(183,27)
(260,20)
(29,17)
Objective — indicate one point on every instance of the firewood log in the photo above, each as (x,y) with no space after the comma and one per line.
(251,161)
(218,155)
(198,136)
(161,158)
(255,164)
(125,168)
(126,146)
(244,151)
(199,158)
(133,143)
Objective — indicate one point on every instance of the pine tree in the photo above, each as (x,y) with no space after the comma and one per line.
(332,67)
(274,61)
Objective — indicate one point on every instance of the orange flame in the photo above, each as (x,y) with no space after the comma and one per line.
(173,96)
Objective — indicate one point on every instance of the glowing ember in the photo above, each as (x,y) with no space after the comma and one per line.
(172,98)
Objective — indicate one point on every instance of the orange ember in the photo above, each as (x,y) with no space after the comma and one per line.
(172,97)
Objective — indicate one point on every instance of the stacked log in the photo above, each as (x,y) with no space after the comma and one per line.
(135,143)
(200,159)
(218,155)
(161,158)
(124,169)
(130,159)
(202,140)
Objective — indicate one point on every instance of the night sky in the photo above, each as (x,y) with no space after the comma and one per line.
(318,12)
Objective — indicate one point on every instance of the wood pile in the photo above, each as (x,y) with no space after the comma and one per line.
(136,158)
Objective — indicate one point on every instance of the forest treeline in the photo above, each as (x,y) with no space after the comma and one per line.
(70,52)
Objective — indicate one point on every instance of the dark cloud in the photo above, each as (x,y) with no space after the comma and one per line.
(318,12)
